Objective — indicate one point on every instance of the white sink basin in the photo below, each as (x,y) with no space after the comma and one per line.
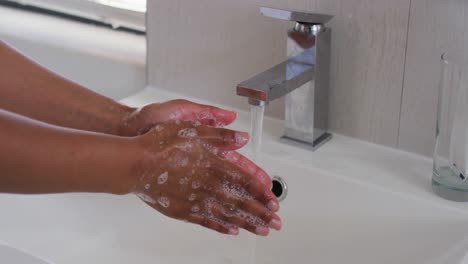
(350,202)
(12,255)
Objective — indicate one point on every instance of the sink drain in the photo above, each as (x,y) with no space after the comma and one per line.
(279,188)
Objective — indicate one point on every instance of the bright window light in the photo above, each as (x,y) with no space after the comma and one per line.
(134,5)
(118,13)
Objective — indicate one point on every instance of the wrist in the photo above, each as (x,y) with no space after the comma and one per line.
(130,159)
(125,115)
(109,163)
(126,127)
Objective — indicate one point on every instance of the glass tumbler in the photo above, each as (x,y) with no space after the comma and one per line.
(450,171)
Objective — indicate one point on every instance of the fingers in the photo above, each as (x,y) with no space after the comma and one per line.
(214,224)
(247,214)
(256,209)
(205,114)
(222,139)
(241,219)
(213,139)
(247,166)
(238,197)
(227,220)
(251,177)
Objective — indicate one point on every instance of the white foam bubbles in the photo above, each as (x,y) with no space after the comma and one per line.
(188,133)
(158,128)
(235,191)
(163,177)
(250,218)
(195,209)
(192,197)
(186,146)
(205,115)
(196,185)
(164,201)
(184,181)
(146,198)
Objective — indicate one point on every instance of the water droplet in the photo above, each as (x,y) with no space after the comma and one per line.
(147,186)
(196,123)
(164,201)
(163,177)
(229,210)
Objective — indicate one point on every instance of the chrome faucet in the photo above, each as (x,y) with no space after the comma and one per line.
(303,79)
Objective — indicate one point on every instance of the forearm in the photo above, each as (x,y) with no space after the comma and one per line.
(36,157)
(28,89)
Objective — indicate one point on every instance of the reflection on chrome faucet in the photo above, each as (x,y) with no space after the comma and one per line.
(303,79)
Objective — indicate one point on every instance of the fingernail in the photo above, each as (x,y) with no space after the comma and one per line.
(262,230)
(275,224)
(273,206)
(234,231)
(241,138)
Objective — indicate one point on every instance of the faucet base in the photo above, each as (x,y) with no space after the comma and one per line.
(324,138)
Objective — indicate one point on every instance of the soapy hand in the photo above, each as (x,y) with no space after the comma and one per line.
(141,120)
(192,172)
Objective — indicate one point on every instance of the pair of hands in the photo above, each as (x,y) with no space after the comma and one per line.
(190,170)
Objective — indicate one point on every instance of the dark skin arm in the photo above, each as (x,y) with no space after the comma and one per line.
(28,89)
(36,157)
(184,171)
(207,182)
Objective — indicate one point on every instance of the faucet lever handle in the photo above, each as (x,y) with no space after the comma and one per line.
(301,17)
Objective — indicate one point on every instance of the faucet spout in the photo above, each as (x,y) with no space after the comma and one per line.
(303,79)
(279,80)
